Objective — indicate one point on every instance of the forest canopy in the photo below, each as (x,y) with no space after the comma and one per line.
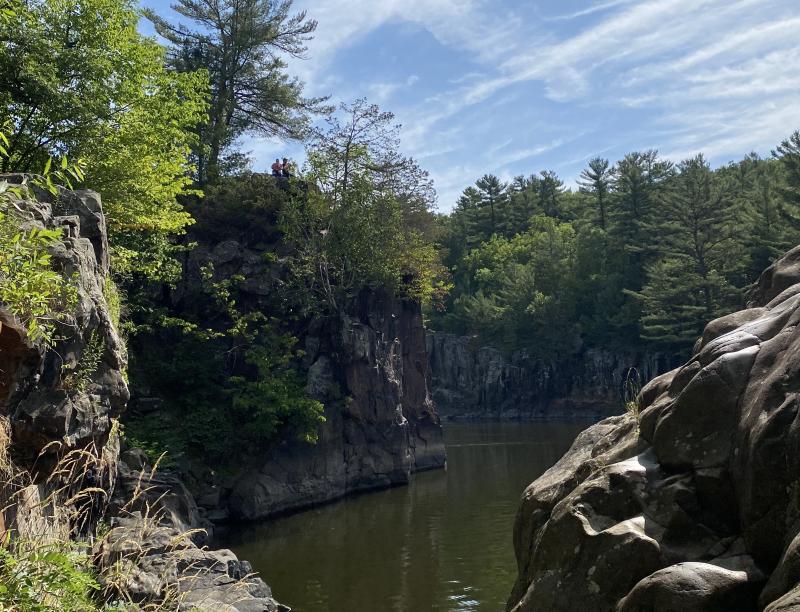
(642,254)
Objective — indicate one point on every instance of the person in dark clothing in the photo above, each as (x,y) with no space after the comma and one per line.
(286,168)
(277,168)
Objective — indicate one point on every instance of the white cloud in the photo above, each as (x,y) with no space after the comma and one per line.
(472,25)
(719,76)
(591,10)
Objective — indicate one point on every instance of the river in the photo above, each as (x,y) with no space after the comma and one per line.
(443,543)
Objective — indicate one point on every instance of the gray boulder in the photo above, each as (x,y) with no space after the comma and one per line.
(695,506)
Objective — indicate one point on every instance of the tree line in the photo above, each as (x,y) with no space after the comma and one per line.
(642,254)
(157,124)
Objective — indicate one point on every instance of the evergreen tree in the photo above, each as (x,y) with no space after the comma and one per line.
(465,229)
(788,154)
(636,182)
(241,43)
(756,185)
(523,203)
(689,284)
(597,182)
(550,189)
(493,200)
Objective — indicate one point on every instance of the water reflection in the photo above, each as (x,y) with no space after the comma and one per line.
(442,543)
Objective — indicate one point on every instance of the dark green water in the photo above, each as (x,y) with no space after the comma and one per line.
(441,543)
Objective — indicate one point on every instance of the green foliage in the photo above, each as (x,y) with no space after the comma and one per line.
(244,208)
(276,398)
(29,287)
(78,378)
(77,78)
(240,43)
(646,252)
(232,383)
(517,297)
(39,577)
(688,286)
(364,219)
(113,298)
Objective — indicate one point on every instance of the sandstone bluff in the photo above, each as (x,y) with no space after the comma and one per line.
(695,506)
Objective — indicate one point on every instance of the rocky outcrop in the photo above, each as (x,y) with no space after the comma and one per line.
(61,400)
(479,382)
(369,367)
(154,544)
(60,465)
(696,505)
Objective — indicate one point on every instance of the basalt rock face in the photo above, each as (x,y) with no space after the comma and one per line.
(61,400)
(480,382)
(60,464)
(369,367)
(156,534)
(697,505)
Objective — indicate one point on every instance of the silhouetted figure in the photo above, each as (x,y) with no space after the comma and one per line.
(277,168)
(286,168)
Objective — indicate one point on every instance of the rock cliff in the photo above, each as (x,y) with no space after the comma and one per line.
(59,445)
(471,381)
(53,401)
(369,368)
(695,505)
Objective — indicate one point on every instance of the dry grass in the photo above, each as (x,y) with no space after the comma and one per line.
(69,516)
(630,393)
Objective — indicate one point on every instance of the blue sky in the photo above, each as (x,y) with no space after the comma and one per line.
(514,87)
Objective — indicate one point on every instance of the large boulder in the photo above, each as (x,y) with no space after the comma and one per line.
(695,505)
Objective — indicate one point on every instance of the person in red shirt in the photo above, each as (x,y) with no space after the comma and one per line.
(277,168)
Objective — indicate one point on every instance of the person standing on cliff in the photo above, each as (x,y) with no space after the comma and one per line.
(277,168)
(286,168)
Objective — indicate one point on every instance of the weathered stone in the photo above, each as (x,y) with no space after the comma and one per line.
(59,408)
(383,427)
(473,381)
(719,474)
(729,585)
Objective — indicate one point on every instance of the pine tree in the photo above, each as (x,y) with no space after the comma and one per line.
(523,203)
(493,200)
(788,153)
(597,182)
(689,284)
(756,183)
(636,182)
(550,189)
(240,44)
